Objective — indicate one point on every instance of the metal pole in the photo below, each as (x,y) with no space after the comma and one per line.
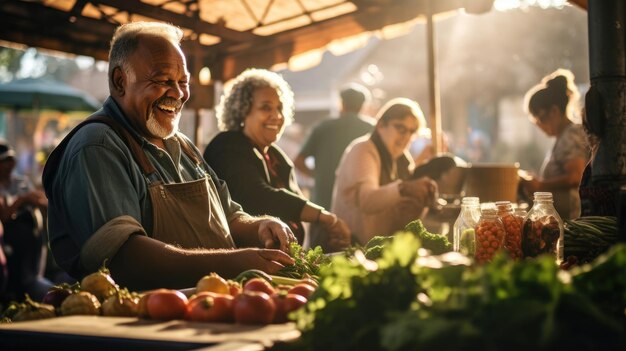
(606,101)
(433,86)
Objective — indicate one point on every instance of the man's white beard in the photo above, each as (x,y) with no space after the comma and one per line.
(158,130)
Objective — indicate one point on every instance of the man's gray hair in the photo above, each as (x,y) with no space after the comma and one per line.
(126,40)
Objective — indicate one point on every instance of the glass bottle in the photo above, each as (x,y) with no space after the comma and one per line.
(542,231)
(463,237)
(512,227)
(489,234)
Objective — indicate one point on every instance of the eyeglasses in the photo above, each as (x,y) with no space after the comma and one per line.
(403,130)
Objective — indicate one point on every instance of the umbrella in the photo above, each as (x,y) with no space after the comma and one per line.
(44,93)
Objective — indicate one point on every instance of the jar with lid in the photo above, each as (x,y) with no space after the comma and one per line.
(542,231)
(512,228)
(489,234)
(463,236)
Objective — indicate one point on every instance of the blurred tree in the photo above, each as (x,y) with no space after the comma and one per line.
(12,65)
(10,62)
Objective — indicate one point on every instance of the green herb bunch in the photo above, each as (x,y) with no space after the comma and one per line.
(404,301)
(307,262)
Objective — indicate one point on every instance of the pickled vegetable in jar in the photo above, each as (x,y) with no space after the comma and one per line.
(542,232)
(464,239)
(489,234)
(512,228)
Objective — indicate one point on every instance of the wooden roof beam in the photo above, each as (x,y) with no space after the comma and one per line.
(178,19)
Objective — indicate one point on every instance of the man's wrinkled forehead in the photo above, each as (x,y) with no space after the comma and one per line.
(160,54)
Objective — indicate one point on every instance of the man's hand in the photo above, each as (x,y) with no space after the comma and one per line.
(267,260)
(275,234)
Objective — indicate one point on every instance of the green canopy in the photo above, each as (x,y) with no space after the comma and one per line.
(44,93)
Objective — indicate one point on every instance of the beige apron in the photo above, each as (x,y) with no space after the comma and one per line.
(188,215)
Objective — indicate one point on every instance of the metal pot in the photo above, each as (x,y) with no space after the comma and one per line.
(492,182)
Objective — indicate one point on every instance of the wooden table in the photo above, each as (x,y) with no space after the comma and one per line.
(125,333)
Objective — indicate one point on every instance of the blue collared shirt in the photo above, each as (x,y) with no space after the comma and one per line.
(99,189)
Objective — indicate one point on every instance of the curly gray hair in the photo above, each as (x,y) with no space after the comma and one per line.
(236,100)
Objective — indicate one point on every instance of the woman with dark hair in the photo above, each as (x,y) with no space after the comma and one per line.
(252,114)
(373,191)
(553,106)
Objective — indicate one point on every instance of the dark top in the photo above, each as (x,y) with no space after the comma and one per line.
(326,143)
(262,185)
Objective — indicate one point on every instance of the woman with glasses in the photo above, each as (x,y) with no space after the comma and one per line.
(552,106)
(373,191)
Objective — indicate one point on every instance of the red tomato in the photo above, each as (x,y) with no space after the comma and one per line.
(254,307)
(309,281)
(234,288)
(259,284)
(210,308)
(286,303)
(142,310)
(301,289)
(165,304)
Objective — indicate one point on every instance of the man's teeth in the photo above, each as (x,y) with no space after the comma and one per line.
(167,108)
(271,126)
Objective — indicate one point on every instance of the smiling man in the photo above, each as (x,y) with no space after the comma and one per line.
(126,188)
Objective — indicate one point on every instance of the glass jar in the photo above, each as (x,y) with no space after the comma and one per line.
(542,231)
(489,234)
(512,229)
(463,236)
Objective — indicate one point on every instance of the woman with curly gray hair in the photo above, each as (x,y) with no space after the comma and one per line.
(252,114)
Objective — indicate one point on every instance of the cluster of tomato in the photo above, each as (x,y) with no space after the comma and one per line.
(219,300)
(215,300)
(489,238)
(513,238)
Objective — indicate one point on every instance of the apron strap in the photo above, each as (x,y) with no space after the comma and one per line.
(185,145)
(138,154)
(54,160)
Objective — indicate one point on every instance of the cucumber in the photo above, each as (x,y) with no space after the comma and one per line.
(244,276)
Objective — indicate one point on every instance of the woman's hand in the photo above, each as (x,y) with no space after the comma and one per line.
(275,234)
(36,198)
(422,189)
(339,237)
(530,186)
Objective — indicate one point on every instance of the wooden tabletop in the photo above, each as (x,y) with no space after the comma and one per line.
(133,333)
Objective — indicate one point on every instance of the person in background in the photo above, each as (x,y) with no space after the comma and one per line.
(21,208)
(329,138)
(4,271)
(326,143)
(252,114)
(127,188)
(373,189)
(600,197)
(552,106)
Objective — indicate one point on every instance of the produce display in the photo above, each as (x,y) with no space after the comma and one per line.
(408,291)
(588,237)
(256,298)
(408,300)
